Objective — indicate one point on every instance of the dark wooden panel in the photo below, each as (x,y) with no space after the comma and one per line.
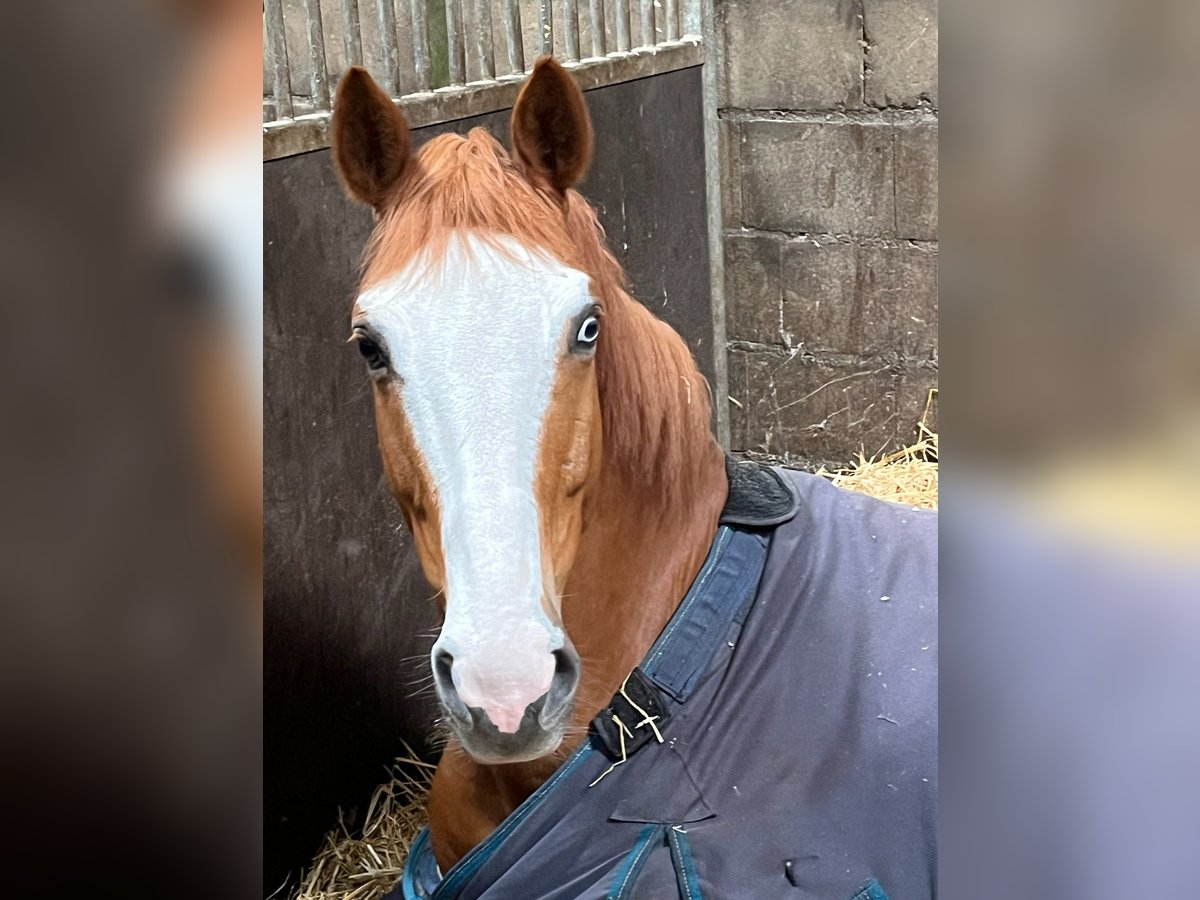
(348,620)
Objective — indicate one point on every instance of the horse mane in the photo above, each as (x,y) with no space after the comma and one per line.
(654,401)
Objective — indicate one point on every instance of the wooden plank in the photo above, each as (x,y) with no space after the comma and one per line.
(454,41)
(546,11)
(315,35)
(647,23)
(672,29)
(352,33)
(390,81)
(277,61)
(420,39)
(483,52)
(596,20)
(571,29)
(622,16)
(512,36)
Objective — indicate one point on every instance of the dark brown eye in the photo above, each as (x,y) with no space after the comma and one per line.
(372,352)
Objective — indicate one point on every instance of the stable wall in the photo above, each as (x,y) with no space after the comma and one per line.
(829,154)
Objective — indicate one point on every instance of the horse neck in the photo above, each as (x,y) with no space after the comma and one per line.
(639,553)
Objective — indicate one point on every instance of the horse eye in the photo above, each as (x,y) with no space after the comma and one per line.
(589,330)
(377,360)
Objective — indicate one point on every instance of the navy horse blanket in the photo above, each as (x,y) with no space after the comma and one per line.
(780,737)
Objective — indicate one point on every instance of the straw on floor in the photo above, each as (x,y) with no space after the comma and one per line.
(366,864)
(908,476)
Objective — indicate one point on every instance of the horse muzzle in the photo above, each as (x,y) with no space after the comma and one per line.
(493,727)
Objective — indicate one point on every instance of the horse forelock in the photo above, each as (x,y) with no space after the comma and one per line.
(655,404)
(461,184)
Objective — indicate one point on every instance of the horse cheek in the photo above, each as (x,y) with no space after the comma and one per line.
(567,467)
(411,485)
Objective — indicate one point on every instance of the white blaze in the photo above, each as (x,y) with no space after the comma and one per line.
(476,341)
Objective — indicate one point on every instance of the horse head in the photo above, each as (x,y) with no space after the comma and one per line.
(480,320)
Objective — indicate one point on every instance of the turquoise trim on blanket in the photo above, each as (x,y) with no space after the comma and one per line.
(627,875)
(685,865)
(413,885)
(870,891)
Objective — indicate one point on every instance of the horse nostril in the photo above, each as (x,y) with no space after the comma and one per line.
(562,685)
(442,663)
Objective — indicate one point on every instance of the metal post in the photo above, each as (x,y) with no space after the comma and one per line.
(622,16)
(672,30)
(484,52)
(647,21)
(319,90)
(420,39)
(547,22)
(571,25)
(277,59)
(352,33)
(512,36)
(700,20)
(454,40)
(387,42)
(596,18)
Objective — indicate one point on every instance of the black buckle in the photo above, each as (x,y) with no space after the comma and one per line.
(635,714)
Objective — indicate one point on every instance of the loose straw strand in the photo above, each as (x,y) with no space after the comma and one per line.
(621,735)
(647,718)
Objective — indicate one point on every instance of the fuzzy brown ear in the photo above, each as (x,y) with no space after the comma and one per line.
(370,138)
(551,131)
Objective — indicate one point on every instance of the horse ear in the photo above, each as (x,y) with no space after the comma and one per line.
(370,138)
(551,131)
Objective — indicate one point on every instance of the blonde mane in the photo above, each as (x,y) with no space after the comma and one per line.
(654,401)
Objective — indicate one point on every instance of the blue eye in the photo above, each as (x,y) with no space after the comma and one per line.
(589,330)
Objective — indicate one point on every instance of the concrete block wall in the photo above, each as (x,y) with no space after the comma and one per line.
(828,126)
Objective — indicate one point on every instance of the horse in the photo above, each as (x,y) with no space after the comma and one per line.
(546,437)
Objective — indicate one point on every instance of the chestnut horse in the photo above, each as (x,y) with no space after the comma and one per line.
(547,438)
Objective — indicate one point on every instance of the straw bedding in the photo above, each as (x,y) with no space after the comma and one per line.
(365,864)
(908,477)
